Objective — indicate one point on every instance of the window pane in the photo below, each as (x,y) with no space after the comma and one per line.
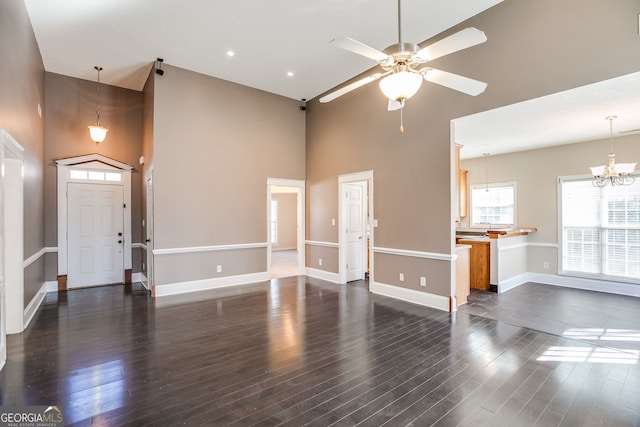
(113,176)
(601,229)
(493,205)
(77,174)
(96,176)
(274,222)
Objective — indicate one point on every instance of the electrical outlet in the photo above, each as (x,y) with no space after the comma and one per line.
(219,268)
(402,277)
(545,265)
(333,221)
(144,266)
(319,261)
(423,281)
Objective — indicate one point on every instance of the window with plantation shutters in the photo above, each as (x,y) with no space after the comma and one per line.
(600,229)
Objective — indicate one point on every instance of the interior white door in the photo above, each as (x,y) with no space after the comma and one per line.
(95,235)
(355,223)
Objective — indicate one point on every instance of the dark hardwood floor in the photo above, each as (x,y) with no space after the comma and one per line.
(299,351)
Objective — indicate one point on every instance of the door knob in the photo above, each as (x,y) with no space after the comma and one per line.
(119,234)
(148,240)
(119,241)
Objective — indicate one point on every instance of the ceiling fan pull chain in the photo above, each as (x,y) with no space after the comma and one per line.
(401,126)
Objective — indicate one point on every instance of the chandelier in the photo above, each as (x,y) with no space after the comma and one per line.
(98,133)
(612,173)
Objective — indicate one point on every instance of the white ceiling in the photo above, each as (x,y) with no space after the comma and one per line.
(563,118)
(269,38)
(272,38)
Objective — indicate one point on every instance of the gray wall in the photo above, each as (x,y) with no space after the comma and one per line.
(535,173)
(534,48)
(287,220)
(215,143)
(21,91)
(70,106)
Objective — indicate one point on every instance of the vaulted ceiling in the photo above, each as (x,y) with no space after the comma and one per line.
(282,47)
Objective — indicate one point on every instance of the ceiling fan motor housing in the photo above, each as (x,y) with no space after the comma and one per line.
(401,53)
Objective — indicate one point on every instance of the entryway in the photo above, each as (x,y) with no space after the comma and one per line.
(94,221)
(285,220)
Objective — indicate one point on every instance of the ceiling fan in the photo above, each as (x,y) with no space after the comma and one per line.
(401,77)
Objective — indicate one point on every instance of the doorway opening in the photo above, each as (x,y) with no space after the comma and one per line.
(285,225)
(355,205)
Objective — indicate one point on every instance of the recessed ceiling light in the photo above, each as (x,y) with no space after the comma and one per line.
(230,53)
(290,74)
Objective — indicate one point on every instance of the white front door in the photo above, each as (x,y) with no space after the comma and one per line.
(354,217)
(95,235)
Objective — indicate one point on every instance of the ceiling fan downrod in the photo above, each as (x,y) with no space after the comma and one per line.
(399,23)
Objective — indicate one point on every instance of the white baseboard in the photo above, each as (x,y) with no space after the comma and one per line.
(513,282)
(34,304)
(206,284)
(586,284)
(323,275)
(52,286)
(137,277)
(409,295)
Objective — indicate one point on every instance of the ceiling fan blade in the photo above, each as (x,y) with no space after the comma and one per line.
(348,88)
(360,48)
(454,81)
(455,42)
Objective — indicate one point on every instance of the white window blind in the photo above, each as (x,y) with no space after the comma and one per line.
(600,229)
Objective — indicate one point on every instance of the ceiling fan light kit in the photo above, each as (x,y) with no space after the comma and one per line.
(401,85)
(401,78)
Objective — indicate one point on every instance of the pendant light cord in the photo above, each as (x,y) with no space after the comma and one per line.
(98,106)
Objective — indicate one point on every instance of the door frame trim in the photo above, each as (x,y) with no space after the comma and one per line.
(342,238)
(80,162)
(12,278)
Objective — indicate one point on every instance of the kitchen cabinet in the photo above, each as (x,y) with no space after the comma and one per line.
(462,193)
(479,262)
(462,209)
(462,274)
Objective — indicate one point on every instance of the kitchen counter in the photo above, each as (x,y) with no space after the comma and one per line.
(498,258)
(493,234)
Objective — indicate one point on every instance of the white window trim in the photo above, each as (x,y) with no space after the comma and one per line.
(571,273)
(493,185)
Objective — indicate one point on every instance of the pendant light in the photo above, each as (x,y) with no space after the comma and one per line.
(97,132)
(612,173)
